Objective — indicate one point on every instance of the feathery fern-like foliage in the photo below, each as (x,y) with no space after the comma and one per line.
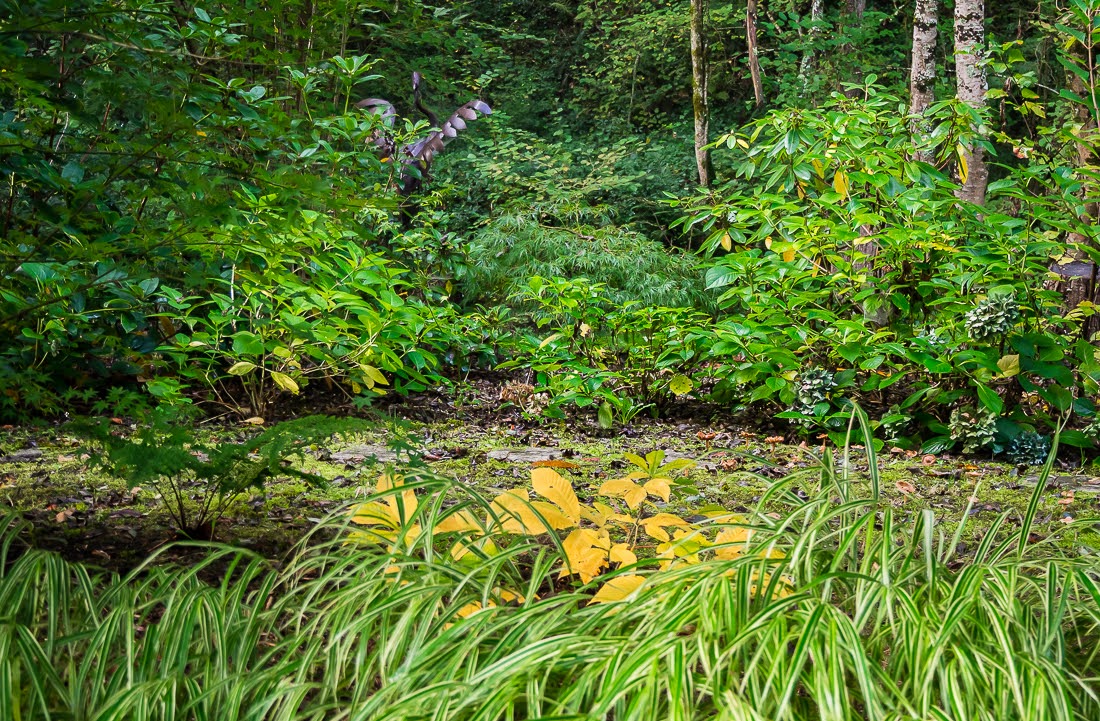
(542,241)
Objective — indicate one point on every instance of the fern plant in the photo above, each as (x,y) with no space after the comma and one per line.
(198,480)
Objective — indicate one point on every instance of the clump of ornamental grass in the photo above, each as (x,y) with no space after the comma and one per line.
(838,608)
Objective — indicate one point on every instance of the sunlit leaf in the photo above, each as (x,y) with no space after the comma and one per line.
(658,487)
(625,489)
(618,588)
(551,486)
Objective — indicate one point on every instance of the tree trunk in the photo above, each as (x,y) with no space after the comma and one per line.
(922,75)
(754,58)
(817,12)
(971,88)
(854,10)
(699,96)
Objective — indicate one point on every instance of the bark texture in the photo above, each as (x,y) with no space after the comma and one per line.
(699,95)
(754,56)
(853,10)
(971,88)
(922,74)
(806,67)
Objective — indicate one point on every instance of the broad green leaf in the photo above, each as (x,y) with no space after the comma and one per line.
(241,368)
(604,416)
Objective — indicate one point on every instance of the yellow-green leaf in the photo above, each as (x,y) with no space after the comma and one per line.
(727,242)
(680,385)
(239,369)
(284,381)
(1009,365)
(374,374)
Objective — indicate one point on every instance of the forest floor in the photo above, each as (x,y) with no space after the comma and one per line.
(47,477)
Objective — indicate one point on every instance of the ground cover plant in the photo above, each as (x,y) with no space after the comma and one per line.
(832,608)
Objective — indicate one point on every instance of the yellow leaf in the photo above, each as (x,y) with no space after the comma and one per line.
(373,514)
(582,556)
(473,607)
(601,514)
(618,588)
(520,515)
(658,487)
(788,255)
(626,489)
(254,421)
(819,168)
(655,525)
(964,170)
(622,555)
(458,522)
(726,539)
(840,183)
(551,486)
(727,242)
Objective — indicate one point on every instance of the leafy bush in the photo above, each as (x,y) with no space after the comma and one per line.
(835,250)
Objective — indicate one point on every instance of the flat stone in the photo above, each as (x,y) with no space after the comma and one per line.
(524,455)
(24,456)
(1066,482)
(359,454)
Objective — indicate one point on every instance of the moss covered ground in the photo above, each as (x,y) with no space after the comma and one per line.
(87,514)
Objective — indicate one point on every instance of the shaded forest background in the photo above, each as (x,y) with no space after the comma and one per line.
(195,215)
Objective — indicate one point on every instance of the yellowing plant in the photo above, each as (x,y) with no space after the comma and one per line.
(591,547)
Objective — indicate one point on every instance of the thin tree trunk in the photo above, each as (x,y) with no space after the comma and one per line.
(754,57)
(971,88)
(817,12)
(854,10)
(699,95)
(922,75)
